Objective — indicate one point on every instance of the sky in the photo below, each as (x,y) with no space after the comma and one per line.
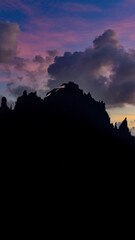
(45,43)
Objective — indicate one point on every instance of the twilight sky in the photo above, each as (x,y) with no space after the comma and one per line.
(91,42)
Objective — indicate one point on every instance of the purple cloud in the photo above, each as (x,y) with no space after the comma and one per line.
(8,41)
(107,70)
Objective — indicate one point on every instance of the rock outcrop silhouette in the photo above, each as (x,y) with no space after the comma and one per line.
(123,129)
(4,109)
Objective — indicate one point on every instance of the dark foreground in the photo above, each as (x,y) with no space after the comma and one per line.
(62,155)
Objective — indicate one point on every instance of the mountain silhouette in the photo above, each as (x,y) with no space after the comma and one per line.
(62,152)
(65,118)
(68,122)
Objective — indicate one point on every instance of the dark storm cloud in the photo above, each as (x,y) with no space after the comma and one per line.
(108,37)
(51,54)
(8,41)
(19,63)
(38,59)
(107,70)
(8,49)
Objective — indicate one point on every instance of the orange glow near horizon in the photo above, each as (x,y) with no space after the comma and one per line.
(117,118)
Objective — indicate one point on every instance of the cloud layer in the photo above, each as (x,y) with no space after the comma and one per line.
(8,41)
(107,70)
(132,130)
(18,71)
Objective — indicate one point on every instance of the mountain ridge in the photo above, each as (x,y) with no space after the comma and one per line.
(66,100)
(66,117)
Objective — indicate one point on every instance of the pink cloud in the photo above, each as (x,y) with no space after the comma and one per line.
(40,35)
(64,34)
(30,44)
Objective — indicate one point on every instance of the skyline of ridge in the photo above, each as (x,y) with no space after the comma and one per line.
(48,94)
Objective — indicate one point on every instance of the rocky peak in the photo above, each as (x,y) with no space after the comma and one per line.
(123,128)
